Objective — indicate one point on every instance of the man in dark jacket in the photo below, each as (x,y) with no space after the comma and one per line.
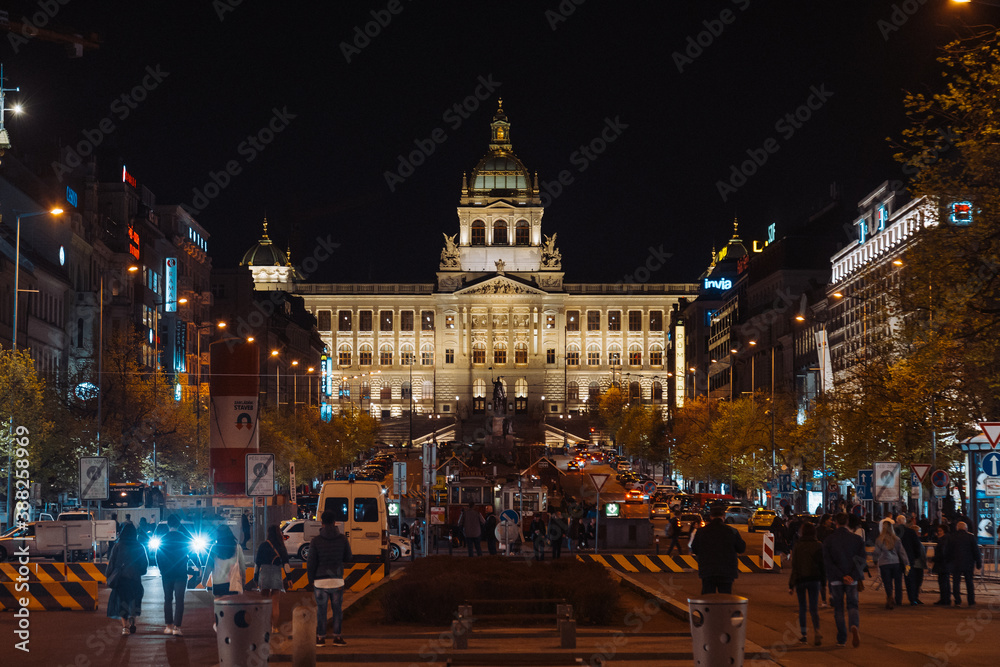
(490,531)
(556,532)
(327,554)
(717,547)
(940,567)
(962,556)
(472,522)
(172,559)
(915,554)
(844,558)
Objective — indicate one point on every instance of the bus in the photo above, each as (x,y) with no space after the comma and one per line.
(134,498)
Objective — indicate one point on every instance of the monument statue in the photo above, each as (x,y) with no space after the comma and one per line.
(551,257)
(499,396)
(450,257)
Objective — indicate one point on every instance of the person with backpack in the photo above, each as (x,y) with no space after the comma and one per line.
(269,564)
(127,564)
(224,555)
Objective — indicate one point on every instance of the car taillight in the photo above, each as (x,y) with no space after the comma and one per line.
(284,537)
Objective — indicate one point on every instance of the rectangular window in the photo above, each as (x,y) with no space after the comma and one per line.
(338,506)
(550,355)
(427,320)
(614,320)
(344,322)
(449,356)
(365,357)
(365,320)
(572,320)
(479,356)
(593,320)
(405,358)
(366,510)
(550,321)
(405,321)
(449,321)
(385,320)
(593,358)
(614,358)
(385,357)
(635,358)
(426,358)
(573,358)
(655,357)
(635,320)
(520,355)
(323,318)
(344,357)
(499,356)
(656,320)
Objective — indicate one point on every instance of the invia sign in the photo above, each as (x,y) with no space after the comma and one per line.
(71,196)
(721,283)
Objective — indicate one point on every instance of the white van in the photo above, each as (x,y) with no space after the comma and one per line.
(360,510)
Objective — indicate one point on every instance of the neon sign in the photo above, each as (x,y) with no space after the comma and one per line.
(881,216)
(127,177)
(71,197)
(961,213)
(170,302)
(133,242)
(770,233)
(721,283)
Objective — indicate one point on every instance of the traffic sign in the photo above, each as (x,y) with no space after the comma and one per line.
(784,483)
(399,478)
(510,516)
(914,481)
(858,511)
(886,480)
(600,478)
(864,489)
(992,432)
(940,479)
(94,478)
(991,487)
(260,475)
(991,464)
(920,470)
(649,487)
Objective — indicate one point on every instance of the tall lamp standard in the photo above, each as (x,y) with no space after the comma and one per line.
(277,379)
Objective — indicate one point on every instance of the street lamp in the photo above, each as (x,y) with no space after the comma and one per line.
(277,379)
(17,269)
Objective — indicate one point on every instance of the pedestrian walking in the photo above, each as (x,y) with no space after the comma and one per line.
(962,556)
(490,530)
(126,566)
(843,559)
(940,565)
(172,559)
(142,531)
(556,531)
(573,536)
(918,562)
(717,547)
(536,533)
(225,564)
(244,528)
(472,523)
(780,532)
(674,527)
(806,579)
(891,559)
(586,533)
(328,552)
(270,563)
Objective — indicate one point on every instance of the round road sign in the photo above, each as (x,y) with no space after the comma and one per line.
(939,478)
(510,516)
(649,487)
(991,464)
(858,510)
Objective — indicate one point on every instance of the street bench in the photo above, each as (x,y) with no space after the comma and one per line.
(563,616)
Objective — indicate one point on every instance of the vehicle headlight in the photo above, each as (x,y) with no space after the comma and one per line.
(199,543)
(154,542)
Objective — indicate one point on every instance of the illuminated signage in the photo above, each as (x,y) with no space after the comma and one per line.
(612,510)
(770,233)
(127,177)
(680,364)
(170,270)
(961,213)
(71,196)
(881,217)
(721,283)
(326,365)
(133,242)
(758,246)
(862,231)
(177,391)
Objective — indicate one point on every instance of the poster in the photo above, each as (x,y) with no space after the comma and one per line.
(886,478)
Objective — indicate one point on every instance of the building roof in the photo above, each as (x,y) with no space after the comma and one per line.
(264,253)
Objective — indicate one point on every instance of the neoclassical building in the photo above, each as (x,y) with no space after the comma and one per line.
(499,307)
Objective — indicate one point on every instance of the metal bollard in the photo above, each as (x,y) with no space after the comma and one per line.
(243,627)
(718,629)
(567,633)
(460,630)
(303,634)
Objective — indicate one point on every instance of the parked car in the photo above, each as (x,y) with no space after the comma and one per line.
(660,509)
(737,514)
(297,547)
(19,537)
(761,519)
(689,521)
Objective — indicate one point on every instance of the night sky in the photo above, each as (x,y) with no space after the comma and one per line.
(564,78)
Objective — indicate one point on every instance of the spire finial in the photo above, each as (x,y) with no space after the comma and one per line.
(736,225)
(500,105)
(265,226)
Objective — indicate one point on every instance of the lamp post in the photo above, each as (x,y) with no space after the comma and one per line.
(277,379)
(295,388)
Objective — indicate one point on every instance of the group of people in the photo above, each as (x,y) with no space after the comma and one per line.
(225,567)
(576,532)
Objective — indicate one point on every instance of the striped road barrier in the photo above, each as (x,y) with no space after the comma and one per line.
(46,572)
(657,564)
(49,595)
(357,576)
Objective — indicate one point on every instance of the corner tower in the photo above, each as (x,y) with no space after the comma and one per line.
(500,222)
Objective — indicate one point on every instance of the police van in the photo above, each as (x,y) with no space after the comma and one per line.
(360,511)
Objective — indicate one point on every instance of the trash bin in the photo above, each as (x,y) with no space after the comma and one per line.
(243,630)
(718,629)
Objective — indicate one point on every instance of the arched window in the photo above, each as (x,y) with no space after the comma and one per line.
(499,233)
(522,233)
(520,388)
(478,233)
(657,391)
(405,391)
(405,354)
(614,355)
(594,390)
(573,391)
(427,355)
(634,392)
(593,354)
(520,353)
(656,355)
(499,354)
(635,355)
(479,388)
(365,355)
(386,393)
(385,355)
(345,390)
(573,355)
(479,352)
(344,355)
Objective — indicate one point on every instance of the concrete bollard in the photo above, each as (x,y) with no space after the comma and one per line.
(460,631)
(567,633)
(304,636)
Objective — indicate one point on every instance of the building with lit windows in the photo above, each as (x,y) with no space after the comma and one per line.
(498,308)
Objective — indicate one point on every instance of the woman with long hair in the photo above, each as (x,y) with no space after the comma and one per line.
(126,566)
(891,558)
(223,555)
(806,578)
(270,560)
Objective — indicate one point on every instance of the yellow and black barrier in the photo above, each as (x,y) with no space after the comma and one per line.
(656,564)
(59,572)
(49,595)
(357,576)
